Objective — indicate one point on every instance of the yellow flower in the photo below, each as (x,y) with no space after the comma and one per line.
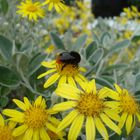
(128,12)
(57,4)
(123,20)
(68,74)
(30,9)
(50,49)
(62,24)
(34,119)
(6,129)
(128,107)
(90,105)
(128,34)
(134,8)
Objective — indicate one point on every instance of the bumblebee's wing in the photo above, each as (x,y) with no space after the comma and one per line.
(66,56)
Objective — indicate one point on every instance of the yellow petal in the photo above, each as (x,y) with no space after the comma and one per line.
(19,104)
(38,101)
(62,6)
(138,116)
(51,111)
(112,104)
(28,134)
(112,114)
(112,94)
(48,64)
(19,130)
(79,80)
(82,77)
(119,90)
(82,69)
(36,135)
(18,116)
(46,73)
(27,102)
(43,104)
(93,86)
(110,123)
(67,93)
(103,93)
(76,127)
(43,134)
(62,80)
(126,92)
(57,8)
(64,106)
(54,121)
(84,86)
(52,79)
(128,124)
(133,124)
(1,120)
(71,81)
(101,128)
(17,119)
(12,124)
(90,128)
(123,120)
(50,6)
(51,127)
(69,88)
(44,3)
(89,87)
(67,120)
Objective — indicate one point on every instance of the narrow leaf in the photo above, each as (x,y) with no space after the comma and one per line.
(57,41)
(8,77)
(5,47)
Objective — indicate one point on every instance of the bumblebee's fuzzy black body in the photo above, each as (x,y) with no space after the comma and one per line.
(69,58)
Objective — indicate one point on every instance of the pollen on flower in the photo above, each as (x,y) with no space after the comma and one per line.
(5,133)
(32,8)
(68,70)
(90,105)
(128,103)
(36,117)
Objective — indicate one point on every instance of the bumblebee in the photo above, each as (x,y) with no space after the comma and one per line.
(72,58)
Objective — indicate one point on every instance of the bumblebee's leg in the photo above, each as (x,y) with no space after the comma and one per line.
(63,66)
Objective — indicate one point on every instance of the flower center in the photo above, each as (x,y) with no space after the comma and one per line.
(32,8)
(128,103)
(67,69)
(90,105)
(5,133)
(36,117)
